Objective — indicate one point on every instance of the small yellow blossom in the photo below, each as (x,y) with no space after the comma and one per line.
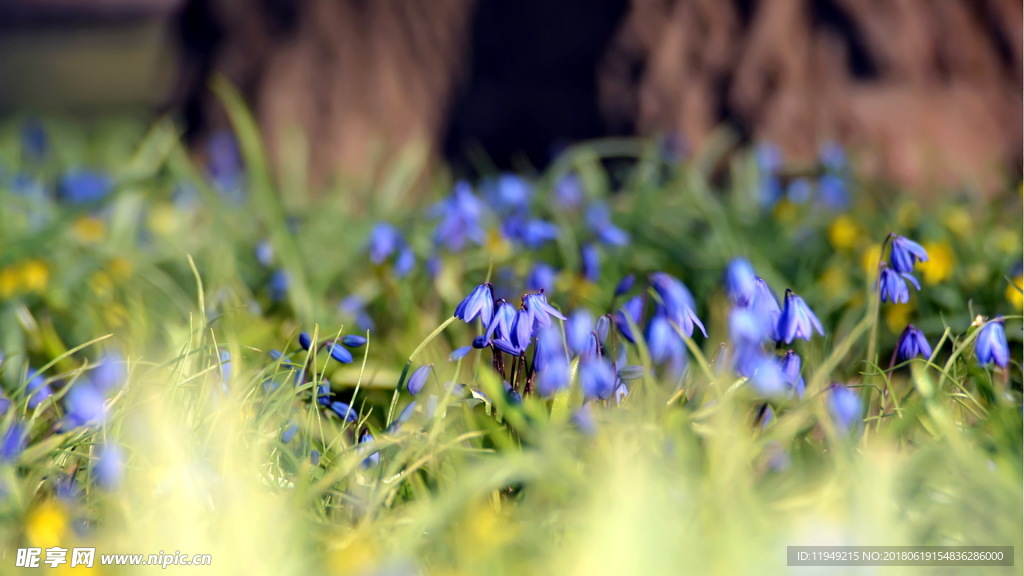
(940,264)
(120,268)
(47,525)
(27,276)
(89,229)
(843,233)
(897,316)
(1013,292)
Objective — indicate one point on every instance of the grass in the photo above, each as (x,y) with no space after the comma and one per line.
(683,476)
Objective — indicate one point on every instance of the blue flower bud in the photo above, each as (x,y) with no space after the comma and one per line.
(339,353)
(14,441)
(289,433)
(625,285)
(305,340)
(418,379)
(678,302)
(578,329)
(480,342)
(597,378)
(790,365)
(353,340)
(460,353)
(344,411)
(109,467)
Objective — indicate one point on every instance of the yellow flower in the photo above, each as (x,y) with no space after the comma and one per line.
(1013,292)
(10,279)
(497,247)
(869,260)
(940,264)
(843,233)
(163,219)
(959,222)
(89,229)
(35,275)
(897,316)
(120,268)
(47,525)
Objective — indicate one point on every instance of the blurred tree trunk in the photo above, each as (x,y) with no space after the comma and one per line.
(928,92)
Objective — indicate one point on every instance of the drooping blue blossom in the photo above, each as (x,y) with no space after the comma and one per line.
(109,373)
(289,433)
(912,343)
(766,377)
(790,365)
(569,191)
(797,320)
(904,253)
(832,156)
(583,419)
(678,302)
(461,215)
(323,393)
(225,365)
(833,191)
(339,353)
(991,346)
(663,343)
(590,256)
(549,347)
(225,163)
(893,287)
(845,407)
(405,262)
(265,253)
(597,378)
(531,232)
(631,310)
(34,141)
(578,329)
(604,324)
(500,326)
(385,240)
(600,221)
(509,192)
(506,346)
(344,411)
(766,309)
(542,277)
(305,340)
(553,377)
(540,310)
(522,330)
(480,302)
(625,285)
(353,340)
(84,187)
(109,467)
(14,441)
(314,457)
(418,379)
(279,282)
(740,282)
(85,404)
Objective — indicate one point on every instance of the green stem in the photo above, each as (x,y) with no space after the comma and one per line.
(405,369)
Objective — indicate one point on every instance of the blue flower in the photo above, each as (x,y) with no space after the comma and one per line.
(740,282)
(912,344)
(578,329)
(540,310)
(480,342)
(405,262)
(374,458)
(597,378)
(459,353)
(265,253)
(745,329)
(591,258)
(625,285)
(905,253)
(460,215)
(766,309)
(34,141)
(14,441)
(789,365)
(522,330)
(225,162)
(799,191)
(353,340)
(506,346)
(225,365)
(480,302)
(500,325)
(305,340)
(354,306)
(832,156)
(418,379)
(797,320)
(84,187)
(109,373)
(37,389)
(632,310)
(553,377)
(339,353)
(583,419)
(677,301)
(549,347)
(832,188)
(532,232)
(385,240)
(769,160)
(509,191)
(279,281)
(542,277)
(845,406)
(600,221)
(85,404)
(289,433)
(663,342)
(569,191)
(109,467)
(991,346)
(766,376)
(893,287)
(344,411)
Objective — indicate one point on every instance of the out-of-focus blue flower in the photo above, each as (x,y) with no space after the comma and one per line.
(674,147)
(418,379)
(109,467)
(459,353)
(225,162)
(14,441)
(769,161)
(893,288)
(353,340)
(600,221)
(405,262)
(385,240)
(374,458)
(632,310)
(591,258)
(745,329)
(540,310)
(553,377)
(509,192)
(85,404)
(37,389)
(905,253)
(355,307)
(832,156)
(225,365)
(845,407)
(597,378)
(912,343)
(625,285)
(339,353)
(569,191)
(532,232)
(678,302)
(279,281)
(314,457)
(542,277)
(434,265)
(34,141)
(480,302)
(583,419)
(289,433)
(109,373)
(578,329)
(323,393)
(344,411)
(766,377)
(833,190)
(500,326)
(740,282)
(461,214)
(991,346)
(549,346)
(790,365)
(604,324)
(663,342)
(265,253)
(799,191)
(84,187)
(797,320)
(766,308)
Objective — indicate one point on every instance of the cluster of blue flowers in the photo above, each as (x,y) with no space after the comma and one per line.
(832,184)
(301,373)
